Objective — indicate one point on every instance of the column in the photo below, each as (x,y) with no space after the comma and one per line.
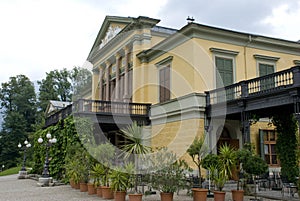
(100,82)
(117,88)
(107,98)
(126,81)
(95,91)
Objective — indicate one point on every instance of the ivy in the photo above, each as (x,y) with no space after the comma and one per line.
(286,145)
(67,136)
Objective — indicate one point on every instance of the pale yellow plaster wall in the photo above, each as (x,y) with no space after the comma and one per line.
(177,136)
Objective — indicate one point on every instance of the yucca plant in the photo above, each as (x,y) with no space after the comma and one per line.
(135,147)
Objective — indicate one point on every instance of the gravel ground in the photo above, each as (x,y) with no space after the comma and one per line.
(13,189)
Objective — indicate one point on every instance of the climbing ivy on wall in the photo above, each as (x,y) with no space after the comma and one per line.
(66,135)
(286,145)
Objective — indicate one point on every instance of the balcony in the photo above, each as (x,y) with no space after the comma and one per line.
(105,112)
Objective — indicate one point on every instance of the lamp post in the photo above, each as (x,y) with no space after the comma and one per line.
(23,172)
(26,145)
(48,143)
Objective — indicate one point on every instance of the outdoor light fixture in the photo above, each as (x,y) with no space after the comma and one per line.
(48,143)
(26,145)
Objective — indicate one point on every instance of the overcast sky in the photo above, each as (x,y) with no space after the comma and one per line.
(38,36)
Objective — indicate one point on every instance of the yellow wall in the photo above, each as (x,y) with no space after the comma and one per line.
(177,136)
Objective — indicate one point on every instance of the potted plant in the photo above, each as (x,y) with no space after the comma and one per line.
(105,154)
(134,148)
(241,156)
(220,167)
(167,173)
(255,166)
(120,180)
(96,174)
(196,151)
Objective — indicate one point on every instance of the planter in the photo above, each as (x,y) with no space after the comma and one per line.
(91,189)
(99,191)
(237,195)
(166,196)
(83,187)
(76,185)
(199,194)
(135,197)
(72,183)
(120,195)
(107,192)
(219,195)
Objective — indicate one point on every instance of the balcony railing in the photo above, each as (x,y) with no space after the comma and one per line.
(100,107)
(109,107)
(267,84)
(61,114)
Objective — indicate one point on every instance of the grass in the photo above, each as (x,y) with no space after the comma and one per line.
(14,170)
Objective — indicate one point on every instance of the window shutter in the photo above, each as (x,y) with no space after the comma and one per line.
(261,143)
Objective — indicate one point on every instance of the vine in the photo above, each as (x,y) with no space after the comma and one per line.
(286,145)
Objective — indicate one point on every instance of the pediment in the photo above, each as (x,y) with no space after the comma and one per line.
(111,26)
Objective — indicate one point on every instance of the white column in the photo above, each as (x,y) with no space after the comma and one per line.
(107,98)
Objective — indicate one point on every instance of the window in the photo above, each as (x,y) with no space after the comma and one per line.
(164,84)
(164,79)
(268,144)
(266,65)
(225,66)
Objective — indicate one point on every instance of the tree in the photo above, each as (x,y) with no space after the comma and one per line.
(18,101)
(56,86)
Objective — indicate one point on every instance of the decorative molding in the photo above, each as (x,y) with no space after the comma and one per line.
(268,58)
(191,106)
(223,51)
(297,62)
(165,61)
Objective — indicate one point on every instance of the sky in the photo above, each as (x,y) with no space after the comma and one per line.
(38,36)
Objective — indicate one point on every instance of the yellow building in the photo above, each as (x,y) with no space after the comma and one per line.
(136,61)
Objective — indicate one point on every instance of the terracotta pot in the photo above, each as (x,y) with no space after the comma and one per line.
(83,187)
(72,183)
(99,191)
(76,185)
(237,195)
(199,194)
(107,192)
(219,195)
(166,196)
(135,197)
(120,195)
(91,189)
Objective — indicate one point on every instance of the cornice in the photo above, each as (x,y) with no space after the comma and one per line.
(193,30)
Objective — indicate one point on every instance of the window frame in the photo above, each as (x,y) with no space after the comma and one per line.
(226,54)
(162,65)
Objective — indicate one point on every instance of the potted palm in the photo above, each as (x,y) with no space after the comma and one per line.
(120,181)
(96,174)
(220,167)
(105,154)
(136,149)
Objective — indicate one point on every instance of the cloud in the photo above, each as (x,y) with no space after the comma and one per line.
(284,21)
(245,16)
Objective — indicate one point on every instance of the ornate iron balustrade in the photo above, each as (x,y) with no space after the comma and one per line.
(263,85)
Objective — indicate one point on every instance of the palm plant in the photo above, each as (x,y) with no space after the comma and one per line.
(134,146)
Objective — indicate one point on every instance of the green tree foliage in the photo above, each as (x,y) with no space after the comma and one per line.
(286,145)
(18,101)
(56,86)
